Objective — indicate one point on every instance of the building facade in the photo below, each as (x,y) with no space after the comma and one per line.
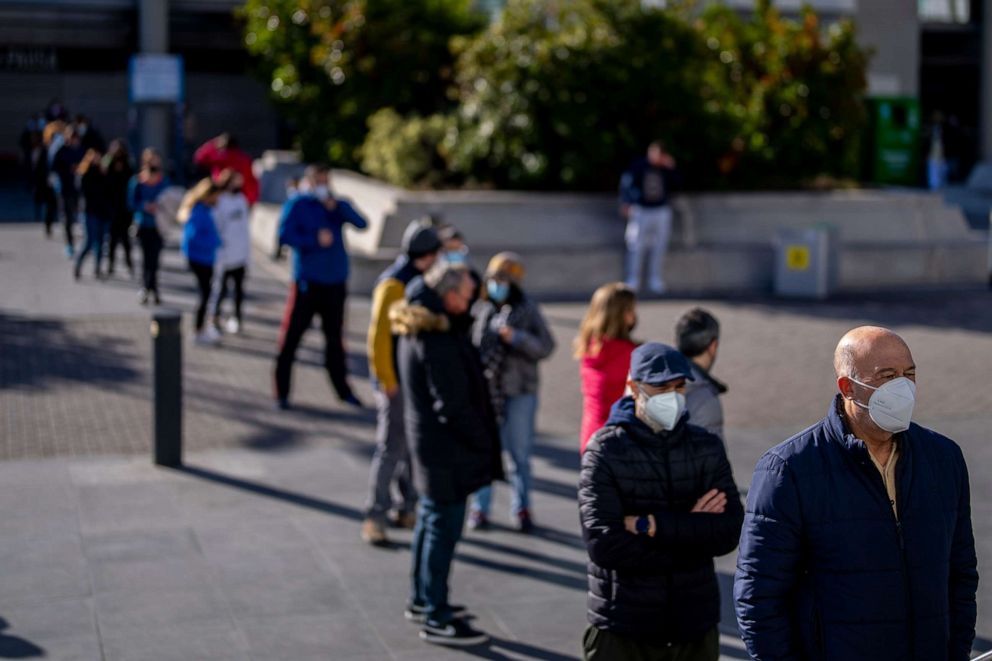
(77,51)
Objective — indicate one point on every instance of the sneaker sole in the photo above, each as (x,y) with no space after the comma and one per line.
(416,618)
(454,642)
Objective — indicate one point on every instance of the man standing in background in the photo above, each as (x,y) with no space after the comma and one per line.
(645,196)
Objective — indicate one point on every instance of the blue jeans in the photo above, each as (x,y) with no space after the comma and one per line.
(517,436)
(439,527)
(96,232)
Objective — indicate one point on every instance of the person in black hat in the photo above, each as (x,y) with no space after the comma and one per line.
(390,463)
(657,502)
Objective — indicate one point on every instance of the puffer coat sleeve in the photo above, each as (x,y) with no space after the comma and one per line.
(768,563)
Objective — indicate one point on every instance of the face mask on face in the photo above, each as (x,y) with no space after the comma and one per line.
(663,411)
(498,291)
(891,405)
(322,193)
(454,257)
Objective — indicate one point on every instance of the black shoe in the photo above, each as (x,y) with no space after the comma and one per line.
(417,613)
(282,404)
(478,521)
(525,524)
(156,298)
(455,632)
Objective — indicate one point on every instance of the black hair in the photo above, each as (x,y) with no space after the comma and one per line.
(695,332)
(449,233)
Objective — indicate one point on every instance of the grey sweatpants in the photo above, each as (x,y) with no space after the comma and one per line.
(391,460)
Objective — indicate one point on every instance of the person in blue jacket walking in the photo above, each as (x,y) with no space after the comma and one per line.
(143,192)
(199,245)
(857,542)
(312,225)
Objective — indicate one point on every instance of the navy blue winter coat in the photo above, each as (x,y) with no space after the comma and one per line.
(826,572)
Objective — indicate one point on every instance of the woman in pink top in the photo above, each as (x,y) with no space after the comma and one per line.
(603,348)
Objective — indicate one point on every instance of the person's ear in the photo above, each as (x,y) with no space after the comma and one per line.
(713,347)
(846,387)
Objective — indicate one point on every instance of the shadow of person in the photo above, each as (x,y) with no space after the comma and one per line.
(12,647)
(497,648)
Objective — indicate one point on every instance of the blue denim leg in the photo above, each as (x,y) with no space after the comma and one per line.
(482,500)
(442,528)
(517,435)
(416,557)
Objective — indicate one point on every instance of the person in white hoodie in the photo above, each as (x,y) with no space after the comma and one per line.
(232,217)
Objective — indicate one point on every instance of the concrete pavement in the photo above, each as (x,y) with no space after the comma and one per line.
(252,551)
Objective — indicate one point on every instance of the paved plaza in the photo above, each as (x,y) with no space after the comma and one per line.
(252,550)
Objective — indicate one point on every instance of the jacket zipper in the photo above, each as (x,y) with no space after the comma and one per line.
(910,611)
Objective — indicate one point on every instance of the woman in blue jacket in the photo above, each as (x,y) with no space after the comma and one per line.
(199,245)
(143,193)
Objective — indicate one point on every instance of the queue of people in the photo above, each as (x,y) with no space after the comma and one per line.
(855,542)
(74,173)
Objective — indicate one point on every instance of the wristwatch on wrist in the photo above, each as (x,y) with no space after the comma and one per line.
(643,525)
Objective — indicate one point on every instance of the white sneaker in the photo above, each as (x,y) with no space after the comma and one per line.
(209,336)
(233,326)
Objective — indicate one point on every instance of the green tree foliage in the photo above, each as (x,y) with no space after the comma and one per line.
(563,94)
(333,63)
(792,90)
(412,151)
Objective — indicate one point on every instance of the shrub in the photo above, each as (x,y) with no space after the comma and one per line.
(331,64)
(407,151)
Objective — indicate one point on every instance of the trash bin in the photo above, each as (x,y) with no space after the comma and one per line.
(806,262)
(893,144)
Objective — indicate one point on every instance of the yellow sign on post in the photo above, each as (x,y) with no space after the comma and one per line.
(797,258)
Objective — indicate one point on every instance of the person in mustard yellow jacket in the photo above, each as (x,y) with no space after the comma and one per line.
(420,249)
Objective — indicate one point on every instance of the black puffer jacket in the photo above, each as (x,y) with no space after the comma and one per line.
(660,588)
(450,425)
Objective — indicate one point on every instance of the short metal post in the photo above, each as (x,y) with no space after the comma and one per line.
(167,387)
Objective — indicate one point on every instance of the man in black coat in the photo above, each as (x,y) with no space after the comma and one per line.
(452,434)
(657,502)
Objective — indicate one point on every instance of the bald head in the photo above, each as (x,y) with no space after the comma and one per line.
(871,351)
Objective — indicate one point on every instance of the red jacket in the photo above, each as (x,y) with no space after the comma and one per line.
(604,377)
(218,160)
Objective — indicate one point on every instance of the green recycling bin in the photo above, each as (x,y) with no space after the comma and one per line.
(894,134)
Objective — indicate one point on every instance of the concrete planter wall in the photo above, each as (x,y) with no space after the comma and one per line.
(722,243)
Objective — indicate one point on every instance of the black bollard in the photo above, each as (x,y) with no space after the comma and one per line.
(168,387)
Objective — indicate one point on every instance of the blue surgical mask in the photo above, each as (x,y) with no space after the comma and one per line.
(454,257)
(498,291)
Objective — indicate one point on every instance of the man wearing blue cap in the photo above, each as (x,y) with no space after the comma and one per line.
(657,502)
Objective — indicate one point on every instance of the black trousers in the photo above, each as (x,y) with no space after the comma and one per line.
(598,645)
(204,275)
(46,194)
(151,250)
(70,210)
(120,236)
(305,300)
(237,276)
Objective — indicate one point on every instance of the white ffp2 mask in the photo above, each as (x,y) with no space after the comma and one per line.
(891,405)
(664,410)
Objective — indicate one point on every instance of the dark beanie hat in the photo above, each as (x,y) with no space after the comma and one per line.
(420,239)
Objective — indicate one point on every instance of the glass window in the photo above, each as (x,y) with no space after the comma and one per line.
(945,11)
